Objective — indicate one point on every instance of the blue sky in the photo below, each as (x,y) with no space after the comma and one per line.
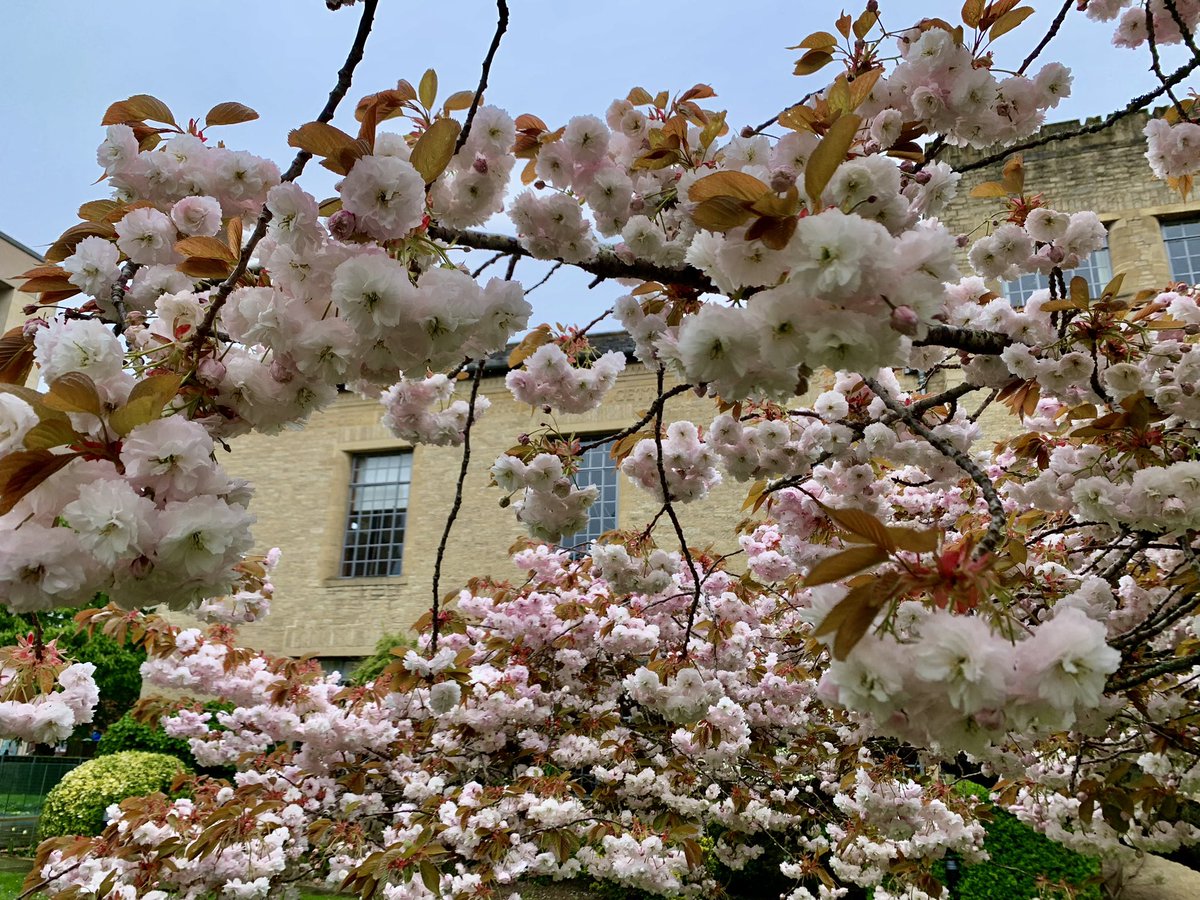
(64,61)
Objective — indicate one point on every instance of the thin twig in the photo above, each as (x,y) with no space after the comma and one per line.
(554,268)
(697,581)
(1133,106)
(345,77)
(501,27)
(479,271)
(1184,31)
(458,495)
(654,410)
(996,527)
(1156,64)
(605,263)
(1047,37)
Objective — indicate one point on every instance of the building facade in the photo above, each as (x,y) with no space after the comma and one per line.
(1153,232)
(15,258)
(358,514)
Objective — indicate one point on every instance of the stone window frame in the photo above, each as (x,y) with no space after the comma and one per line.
(1190,242)
(1097,269)
(352,570)
(583,539)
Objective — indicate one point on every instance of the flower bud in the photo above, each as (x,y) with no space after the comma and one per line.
(480,165)
(782,179)
(343,224)
(904,320)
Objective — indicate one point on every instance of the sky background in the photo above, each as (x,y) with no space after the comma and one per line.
(64,61)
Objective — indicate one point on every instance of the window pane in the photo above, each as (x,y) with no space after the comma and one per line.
(596,467)
(1096,269)
(1182,241)
(375,521)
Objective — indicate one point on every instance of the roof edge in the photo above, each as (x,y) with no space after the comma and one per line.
(9,239)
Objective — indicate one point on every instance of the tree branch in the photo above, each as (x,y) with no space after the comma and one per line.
(1133,106)
(501,27)
(345,77)
(996,527)
(987,343)
(1047,37)
(697,581)
(458,495)
(606,264)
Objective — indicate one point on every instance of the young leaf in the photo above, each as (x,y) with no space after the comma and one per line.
(721,213)
(205,247)
(435,148)
(738,185)
(229,113)
(74,392)
(830,154)
(862,523)
(16,356)
(139,107)
(50,433)
(812,61)
(1009,21)
(24,470)
(844,564)
(427,89)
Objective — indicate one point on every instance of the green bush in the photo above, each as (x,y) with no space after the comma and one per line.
(371,666)
(1024,863)
(127,733)
(76,804)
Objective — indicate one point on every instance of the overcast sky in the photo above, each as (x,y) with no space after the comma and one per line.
(64,61)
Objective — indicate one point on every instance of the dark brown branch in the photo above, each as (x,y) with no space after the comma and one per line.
(1175,664)
(950,395)
(1184,31)
(1156,64)
(654,410)
(1047,37)
(988,343)
(1133,106)
(458,495)
(554,268)
(345,77)
(606,264)
(501,27)
(997,526)
(479,271)
(697,581)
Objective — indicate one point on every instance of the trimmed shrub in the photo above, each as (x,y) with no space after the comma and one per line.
(1024,863)
(372,665)
(76,804)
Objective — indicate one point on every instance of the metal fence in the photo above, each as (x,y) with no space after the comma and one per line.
(24,783)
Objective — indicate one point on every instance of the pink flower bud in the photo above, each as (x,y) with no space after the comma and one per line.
(343,224)
(636,204)
(782,179)
(480,165)
(904,320)
(283,370)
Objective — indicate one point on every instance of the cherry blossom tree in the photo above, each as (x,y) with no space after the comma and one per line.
(908,605)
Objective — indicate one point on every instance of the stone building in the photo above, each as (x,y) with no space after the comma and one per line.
(359,515)
(15,258)
(1153,233)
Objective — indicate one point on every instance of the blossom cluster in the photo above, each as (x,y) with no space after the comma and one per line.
(422,411)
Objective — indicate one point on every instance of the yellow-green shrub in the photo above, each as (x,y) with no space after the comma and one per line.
(76,804)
